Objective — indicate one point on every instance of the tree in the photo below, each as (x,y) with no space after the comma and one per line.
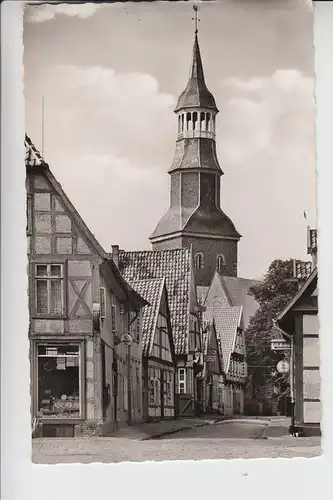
(272,294)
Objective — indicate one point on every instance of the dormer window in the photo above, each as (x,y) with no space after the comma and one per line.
(198,261)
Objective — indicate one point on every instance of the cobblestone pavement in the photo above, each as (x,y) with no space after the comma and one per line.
(200,443)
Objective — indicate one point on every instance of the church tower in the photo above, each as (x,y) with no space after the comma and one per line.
(195,217)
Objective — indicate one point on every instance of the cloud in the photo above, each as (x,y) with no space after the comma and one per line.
(118,111)
(42,13)
(267,113)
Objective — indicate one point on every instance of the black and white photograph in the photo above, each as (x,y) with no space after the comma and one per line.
(171,225)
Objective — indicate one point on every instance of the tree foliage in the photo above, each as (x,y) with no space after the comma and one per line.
(272,294)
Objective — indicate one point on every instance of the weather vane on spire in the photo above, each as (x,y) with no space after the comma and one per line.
(195,18)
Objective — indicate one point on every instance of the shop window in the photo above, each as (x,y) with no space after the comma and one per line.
(49,289)
(59,381)
(103,302)
(181,381)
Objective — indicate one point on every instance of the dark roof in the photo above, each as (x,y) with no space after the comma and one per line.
(196,153)
(120,286)
(152,291)
(175,267)
(237,292)
(311,282)
(196,93)
(33,158)
(227,320)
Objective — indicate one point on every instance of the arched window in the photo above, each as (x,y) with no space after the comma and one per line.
(195,120)
(198,261)
(220,263)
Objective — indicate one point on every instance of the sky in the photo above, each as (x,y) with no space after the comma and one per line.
(111,75)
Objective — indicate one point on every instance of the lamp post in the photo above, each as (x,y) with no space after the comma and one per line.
(278,345)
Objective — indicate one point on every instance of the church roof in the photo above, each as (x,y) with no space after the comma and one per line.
(199,153)
(175,267)
(196,93)
(151,290)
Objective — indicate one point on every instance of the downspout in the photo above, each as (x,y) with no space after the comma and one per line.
(292,384)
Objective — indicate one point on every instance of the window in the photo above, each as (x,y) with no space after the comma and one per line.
(113,313)
(59,384)
(103,302)
(49,289)
(198,261)
(220,263)
(29,214)
(168,394)
(137,330)
(181,380)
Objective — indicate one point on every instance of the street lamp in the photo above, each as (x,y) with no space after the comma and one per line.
(282,345)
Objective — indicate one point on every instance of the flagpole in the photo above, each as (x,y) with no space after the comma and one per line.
(42,128)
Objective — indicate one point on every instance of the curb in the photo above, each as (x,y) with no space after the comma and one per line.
(265,433)
(174,431)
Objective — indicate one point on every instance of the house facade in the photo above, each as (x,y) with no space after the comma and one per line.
(158,353)
(213,371)
(176,267)
(67,358)
(299,323)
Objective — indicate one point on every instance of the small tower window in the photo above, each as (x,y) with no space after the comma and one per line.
(195,119)
(220,263)
(198,260)
(208,122)
(188,121)
(202,121)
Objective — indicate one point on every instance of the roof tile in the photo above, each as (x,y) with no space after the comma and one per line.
(151,290)
(226,320)
(173,265)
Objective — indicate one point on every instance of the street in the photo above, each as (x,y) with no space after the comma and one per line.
(223,440)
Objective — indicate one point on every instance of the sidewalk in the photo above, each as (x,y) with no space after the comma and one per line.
(154,430)
(278,427)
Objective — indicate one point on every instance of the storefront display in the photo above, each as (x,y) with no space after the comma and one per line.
(59,381)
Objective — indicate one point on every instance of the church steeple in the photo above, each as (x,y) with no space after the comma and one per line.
(196,93)
(195,217)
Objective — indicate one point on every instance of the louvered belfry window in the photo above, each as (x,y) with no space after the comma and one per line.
(49,283)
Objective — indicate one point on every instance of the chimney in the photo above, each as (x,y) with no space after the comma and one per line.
(312,246)
(115,254)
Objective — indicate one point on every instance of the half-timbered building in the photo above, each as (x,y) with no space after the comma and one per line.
(213,370)
(159,364)
(299,323)
(70,387)
(176,267)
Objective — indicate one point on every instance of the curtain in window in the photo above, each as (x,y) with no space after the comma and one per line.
(41,296)
(56,302)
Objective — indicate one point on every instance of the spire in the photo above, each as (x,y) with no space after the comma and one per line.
(196,93)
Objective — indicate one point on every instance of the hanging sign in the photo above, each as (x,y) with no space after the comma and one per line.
(211,356)
(283,366)
(126,339)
